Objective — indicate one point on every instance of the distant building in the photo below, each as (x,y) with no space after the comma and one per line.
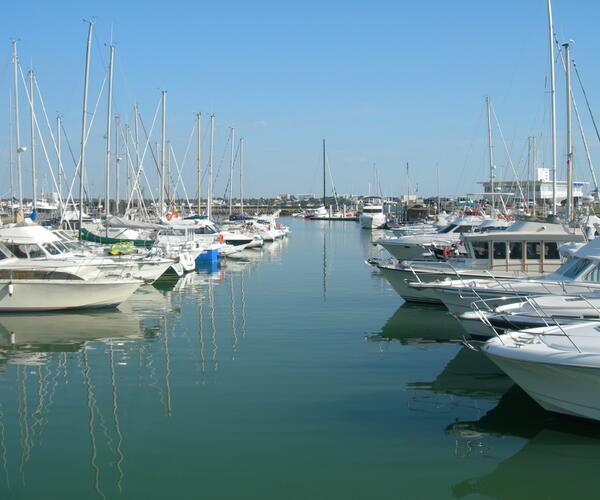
(541,189)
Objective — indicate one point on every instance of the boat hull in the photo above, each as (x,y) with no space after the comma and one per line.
(55,295)
(372,221)
(571,390)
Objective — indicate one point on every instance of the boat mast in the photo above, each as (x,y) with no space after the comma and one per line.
(109,119)
(117,161)
(18,147)
(570,207)
(491,155)
(32,125)
(10,153)
(231,173)
(59,155)
(163,151)
(210,167)
(84,122)
(198,156)
(552,105)
(324,205)
(241,176)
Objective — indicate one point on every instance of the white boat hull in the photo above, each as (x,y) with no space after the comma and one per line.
(558,387)
(53,295)
(372,221)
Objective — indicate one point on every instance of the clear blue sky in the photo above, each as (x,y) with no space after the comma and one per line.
(383,82)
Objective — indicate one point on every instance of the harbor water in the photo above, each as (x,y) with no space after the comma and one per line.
(294,371)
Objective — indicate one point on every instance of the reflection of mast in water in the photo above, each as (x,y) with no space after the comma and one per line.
(325,265)
(201,335)
(233,322)
(3,446)
(91,405)
(167,368)
(243,301)
(119,450)
(213,327)
(23,419)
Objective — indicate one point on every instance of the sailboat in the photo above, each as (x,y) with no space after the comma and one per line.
(323,213)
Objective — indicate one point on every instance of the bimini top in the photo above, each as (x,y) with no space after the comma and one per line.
(529,230)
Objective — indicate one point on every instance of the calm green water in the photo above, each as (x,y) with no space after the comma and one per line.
(294,373)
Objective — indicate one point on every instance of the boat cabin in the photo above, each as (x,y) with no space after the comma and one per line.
(524,246)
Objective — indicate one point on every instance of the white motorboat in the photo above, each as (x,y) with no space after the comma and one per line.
(494,317)
(557,366)
(372,215)
(509,254)
(430,246)
(35,245)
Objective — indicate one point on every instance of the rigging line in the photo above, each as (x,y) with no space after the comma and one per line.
(221,162)
(141,161)
(187,198)
(227,187)
(587,102)
(581,131)
(508,153)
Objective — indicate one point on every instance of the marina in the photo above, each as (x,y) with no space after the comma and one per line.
(226,374)
(182,315)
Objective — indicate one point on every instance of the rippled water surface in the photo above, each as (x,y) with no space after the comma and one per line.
(291,372)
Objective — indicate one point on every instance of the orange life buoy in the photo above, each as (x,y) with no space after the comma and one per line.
(221,238)
(169,215)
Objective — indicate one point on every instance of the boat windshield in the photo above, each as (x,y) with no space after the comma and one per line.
(25,250)
(571,268)
(372,210)
(51,249)
(208,229)
(449,228)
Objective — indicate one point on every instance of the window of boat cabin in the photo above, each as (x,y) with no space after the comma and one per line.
(551,250)
(465,229)
(481,249)
(515,250)
(61,246)
(499,250)
(51,249)
(594,274)
(534,250)
(26,250)
(372,210)
(573,267)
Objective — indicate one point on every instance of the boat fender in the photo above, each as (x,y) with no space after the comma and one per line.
(169,215)
(11,289)
(221,238)
(447,251)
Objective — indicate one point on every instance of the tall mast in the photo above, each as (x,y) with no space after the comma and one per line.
(109,119)
(163,151)
(231,173)
(198,159)
(552,105)
(117,161)
(210,167)
(324,194)
(32,125)
(127,168)
(242,175)
(491,155)
(570,207)
(84,122)
(18,147)
(534,170)
(168,175)
(59,168)
(10,153)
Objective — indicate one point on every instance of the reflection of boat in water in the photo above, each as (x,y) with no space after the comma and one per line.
(418,323)
(66,331)
(558,450)
(468,374)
